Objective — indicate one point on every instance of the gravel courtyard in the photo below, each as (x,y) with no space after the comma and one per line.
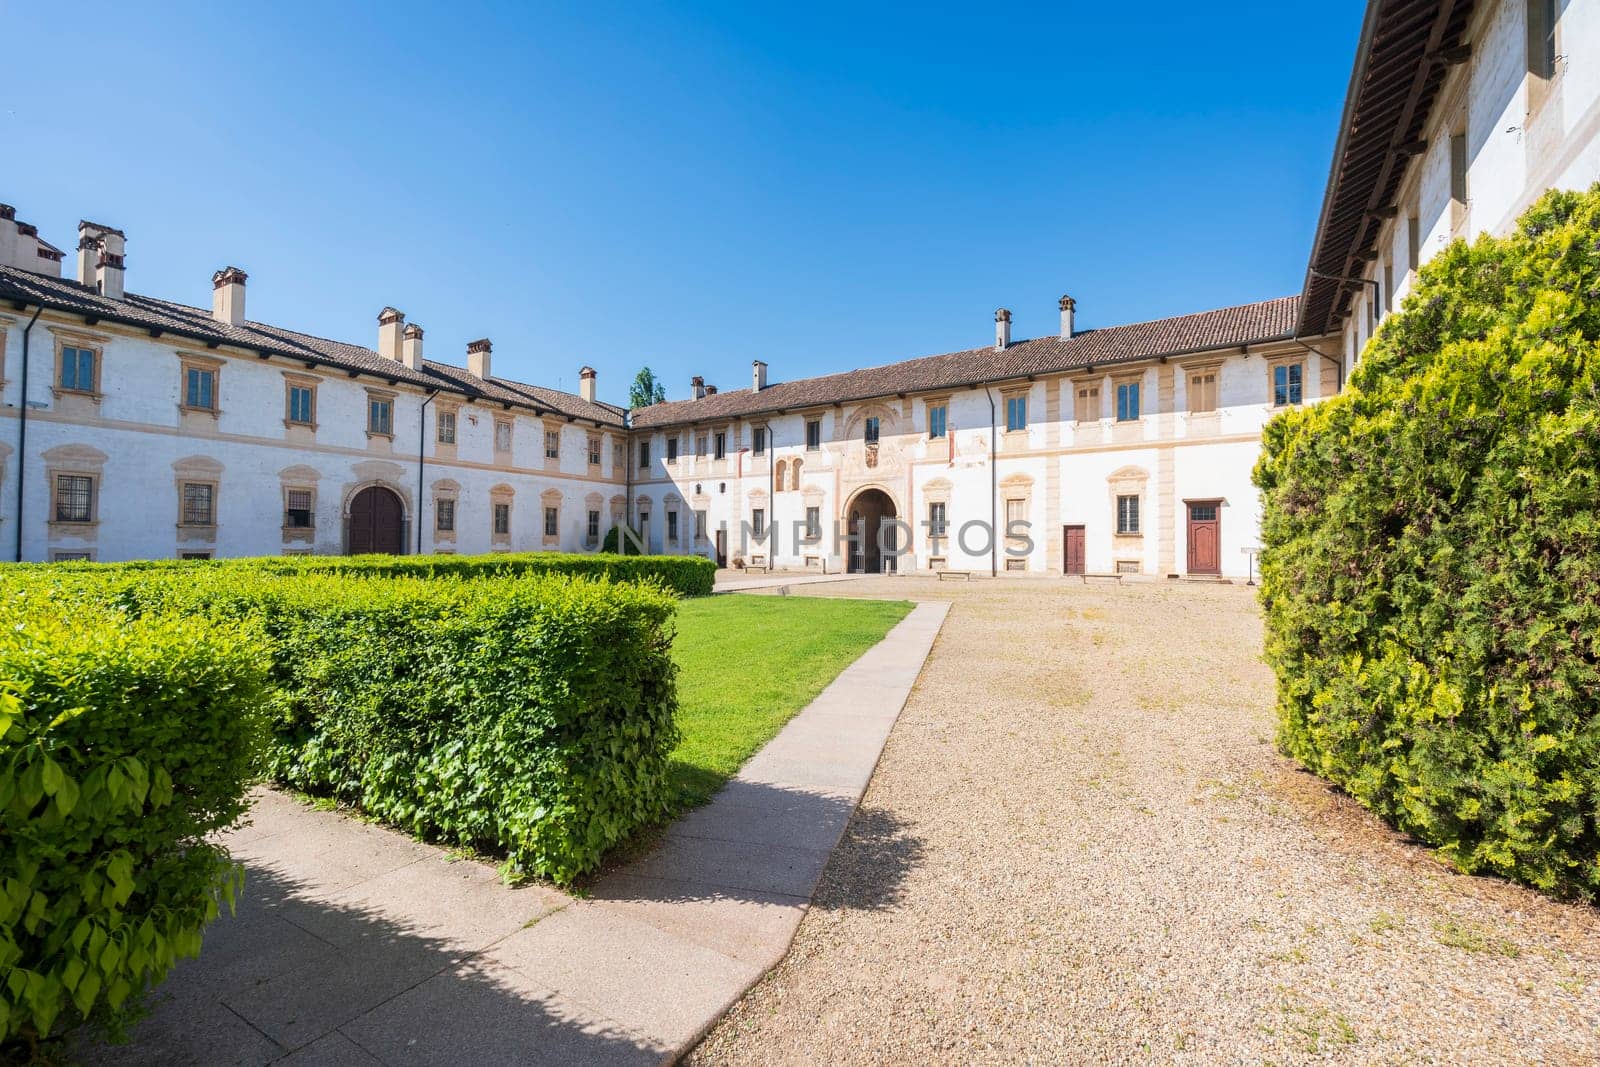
(1080,845)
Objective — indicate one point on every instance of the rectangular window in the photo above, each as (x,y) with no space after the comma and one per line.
(1016,413)
(592,529)
(447,427)
(672,450)
(936,519)
(1016,511)
(77,369)
(380,417)
(502,436)
(1128,402)
(1088,404)
(644,455)
(721,446)
(700,444)
(301,405)
(813,524)
(74,498)
(594,450)
(200,389)
(758,522)
(1458,169)
(69,557)
(872,430)
(552,522)
(297,509)
(552,444)
(198,502)
(672,527)
(1413,241)
(1388,285)
(444,515)
(1286,384)
(813,435)
(938,415)
(758,440)
(1542,18)
(700,523)
(1202,392)
(194,555)
(1127,514)
(502,518)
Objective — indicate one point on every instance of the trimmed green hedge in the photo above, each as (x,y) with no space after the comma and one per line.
(123,743)
(686,575)
(528,716)
(1431,563)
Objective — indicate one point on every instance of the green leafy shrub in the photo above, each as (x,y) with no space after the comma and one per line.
(529,716)
(615,542)
(123,743)
(685,575)
(1431,563)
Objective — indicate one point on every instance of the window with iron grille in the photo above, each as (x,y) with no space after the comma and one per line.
(813,524)
(1128,514)
(502,518)
(552,444)
(594,450)
(592,531)
(552,520)
(444,515)
(672,526)
(447,427)
(74,498)
(644,454)
(198,504)
(297,509)
(936,520)
(758,523)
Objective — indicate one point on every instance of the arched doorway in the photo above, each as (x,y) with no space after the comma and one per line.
(377,522)
(864,519)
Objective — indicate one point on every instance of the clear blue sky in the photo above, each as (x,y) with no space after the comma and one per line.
(820,187)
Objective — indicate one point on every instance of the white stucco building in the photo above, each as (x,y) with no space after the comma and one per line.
(136,427)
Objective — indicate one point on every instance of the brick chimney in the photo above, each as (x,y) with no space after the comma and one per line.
(478,357)
(1002,330)
(227,295)
(711,390)
(758,375)
(109,254)
(390,322)
(411,346)
(586,384)
(1067,306)
(697,387)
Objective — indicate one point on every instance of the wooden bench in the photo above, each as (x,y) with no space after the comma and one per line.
(1108,576)
(965,576)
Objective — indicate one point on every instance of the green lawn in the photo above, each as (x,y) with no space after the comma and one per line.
(748,663)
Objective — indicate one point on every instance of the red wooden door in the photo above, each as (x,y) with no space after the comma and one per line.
(1205,538)
(1072,549)
(376,519)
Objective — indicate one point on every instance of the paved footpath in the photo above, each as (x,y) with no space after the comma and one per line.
(354,944)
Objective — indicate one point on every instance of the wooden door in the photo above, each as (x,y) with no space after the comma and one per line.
(1205,538)
(376,521)
(722,548)
(1072,549)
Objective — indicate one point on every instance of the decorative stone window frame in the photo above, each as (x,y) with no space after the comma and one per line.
(510,423)
(498,495)
(1015,487)
(1201,367)
(293,380)
(299,478)
(937,448)
(671,449)
(445,490)
(375,396)
(936,491)
(806,419)
(550,498)
(593,450)
(672,505)
(1286,360)
(195,361)
(83,461)
(73,555)
(198,470)
(446,450)
(549,427)
(1014,440)
(1097,383)
(619,511)
(1128,481)
(595,503)
(1135,377)
(78,401)
(619,456)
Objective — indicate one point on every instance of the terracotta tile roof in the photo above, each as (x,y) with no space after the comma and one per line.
(1406,51)
(196,324)
(1268,320)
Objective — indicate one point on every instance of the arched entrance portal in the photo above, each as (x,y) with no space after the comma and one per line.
(377,522)
(864,519)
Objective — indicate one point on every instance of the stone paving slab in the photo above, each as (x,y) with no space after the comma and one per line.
(354,944)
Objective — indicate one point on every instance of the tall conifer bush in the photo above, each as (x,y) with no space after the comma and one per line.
(1431,562)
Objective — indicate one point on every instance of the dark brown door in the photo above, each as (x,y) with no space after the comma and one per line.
(1072,549)
(376,521)
(1205,538)
(722,548)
